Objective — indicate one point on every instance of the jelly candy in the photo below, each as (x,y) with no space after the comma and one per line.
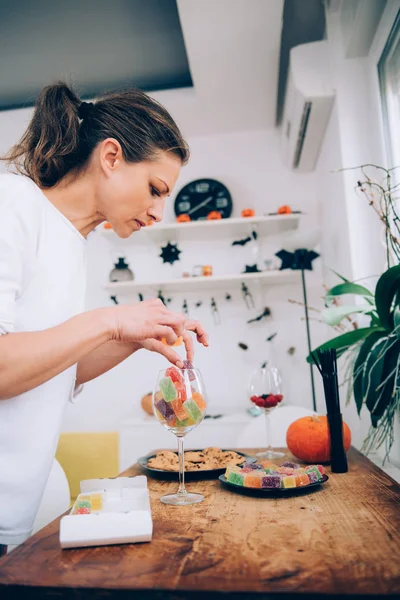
(165,410)
(187,365)
(84,504)
(271,481)
(97,502)
(178,342)
(291,465)
(321,469)
(301,480)
(179,410)
(174,374)
(168,389)
(314,469)
(180,388)
(285,471)
(193,410)
(236,478)
(171,423)
(253,466)
(184,423)
(253,480)
(83,511)
(288,481)
(232,468)
(198,398)
(312,477)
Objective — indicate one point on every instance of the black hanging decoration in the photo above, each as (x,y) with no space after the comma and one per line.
(198,304)
(185,308)
(161,297)
(248,298)
(170,253)
(140,297)
(265,313)
(228,297)
(242,242)
(301,260)
(114,299)
(215,312)
(251,269)
(243,346)
(291,350)
(271,337)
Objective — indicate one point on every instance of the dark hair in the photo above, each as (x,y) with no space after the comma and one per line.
(64,131)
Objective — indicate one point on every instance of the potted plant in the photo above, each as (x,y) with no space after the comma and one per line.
(373,351)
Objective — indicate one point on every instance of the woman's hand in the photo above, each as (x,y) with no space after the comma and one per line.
(154,345)
(146,323)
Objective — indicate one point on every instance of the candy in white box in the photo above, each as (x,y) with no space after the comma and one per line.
(108,511)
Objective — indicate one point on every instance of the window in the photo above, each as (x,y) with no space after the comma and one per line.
(389,80)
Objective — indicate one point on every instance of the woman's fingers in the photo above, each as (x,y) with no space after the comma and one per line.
(187,340)
(162,331)
(198,329)
(175,321)
(169,353)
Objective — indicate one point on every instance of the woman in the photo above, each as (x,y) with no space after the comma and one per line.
(79,164)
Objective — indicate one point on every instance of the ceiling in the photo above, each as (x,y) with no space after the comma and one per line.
(96,44)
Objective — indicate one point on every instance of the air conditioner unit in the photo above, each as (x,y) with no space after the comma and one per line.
(308,104)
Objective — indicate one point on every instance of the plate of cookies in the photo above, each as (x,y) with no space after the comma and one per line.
(198,463)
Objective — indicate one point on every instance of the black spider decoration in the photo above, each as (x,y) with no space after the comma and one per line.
(170,253)
(251,269)
(265,313)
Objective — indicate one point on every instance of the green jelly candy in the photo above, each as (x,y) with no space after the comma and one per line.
(236,478)
(168,389)
(193,410)
(269,471)
(315,470)
(84,504)
(184,423)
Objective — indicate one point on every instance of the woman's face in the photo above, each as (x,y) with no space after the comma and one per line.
(132,195)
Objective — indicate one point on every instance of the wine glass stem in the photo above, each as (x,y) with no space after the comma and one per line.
(181,454)
(268,428)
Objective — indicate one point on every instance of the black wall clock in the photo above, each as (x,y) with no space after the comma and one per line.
(202,196)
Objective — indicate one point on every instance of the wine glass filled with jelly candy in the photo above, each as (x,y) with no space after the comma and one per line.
(179,404)
(265,392)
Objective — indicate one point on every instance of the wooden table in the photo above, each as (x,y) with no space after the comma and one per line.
(343,538)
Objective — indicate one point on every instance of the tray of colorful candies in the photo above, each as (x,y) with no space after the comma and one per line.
(264,477)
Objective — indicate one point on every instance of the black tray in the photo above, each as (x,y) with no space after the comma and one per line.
(204,474)
(268,492)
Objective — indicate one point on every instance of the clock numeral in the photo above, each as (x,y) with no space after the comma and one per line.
(202,188)
(221,203)
(221,193)
(185,197)
(183,207)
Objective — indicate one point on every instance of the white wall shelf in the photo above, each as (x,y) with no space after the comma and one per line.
(209,230)
(127,288)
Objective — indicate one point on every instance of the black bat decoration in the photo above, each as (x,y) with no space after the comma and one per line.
(271,337)
(266,313)
(297,260)
(251,269)
(242,242)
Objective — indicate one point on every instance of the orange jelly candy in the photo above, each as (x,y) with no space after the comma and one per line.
(177,343)
(198,398)
(180,410)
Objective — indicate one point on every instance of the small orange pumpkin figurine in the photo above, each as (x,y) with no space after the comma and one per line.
(284,210)
(248,212)
(183,219)
(308,439)
(107,225)
(214,215)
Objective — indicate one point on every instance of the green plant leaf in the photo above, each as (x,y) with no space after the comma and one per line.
(333,315)
(344,341)
(386,289)
(358,386)
(396,320)
(372,372)
(340,276)
(349,288)
(378,408)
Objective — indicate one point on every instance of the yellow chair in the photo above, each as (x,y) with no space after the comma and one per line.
(88,455)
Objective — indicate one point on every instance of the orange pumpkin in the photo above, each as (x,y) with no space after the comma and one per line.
(147,404)
(248,212)
(107,225)
(308,439)
(214,215)
(284,210)
(183,219)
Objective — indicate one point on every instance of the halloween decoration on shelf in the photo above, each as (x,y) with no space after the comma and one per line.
(185,307)
(140,297)
(207,270)
(114,299)
(121,272)
(164,300)
(183,219)
(197,271)
(214,215)
(291,351)
(215,312)
(198,304)
(202,197)
(247,297)
(265,313)
(248,212)
(284,210)
(243,346)
(301,259)
(228,297)
(170,253)
(251,269)
(247,239)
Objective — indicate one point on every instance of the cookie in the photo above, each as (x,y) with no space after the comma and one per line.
(195,457)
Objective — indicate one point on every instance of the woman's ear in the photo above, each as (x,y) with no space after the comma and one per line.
(110,155)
